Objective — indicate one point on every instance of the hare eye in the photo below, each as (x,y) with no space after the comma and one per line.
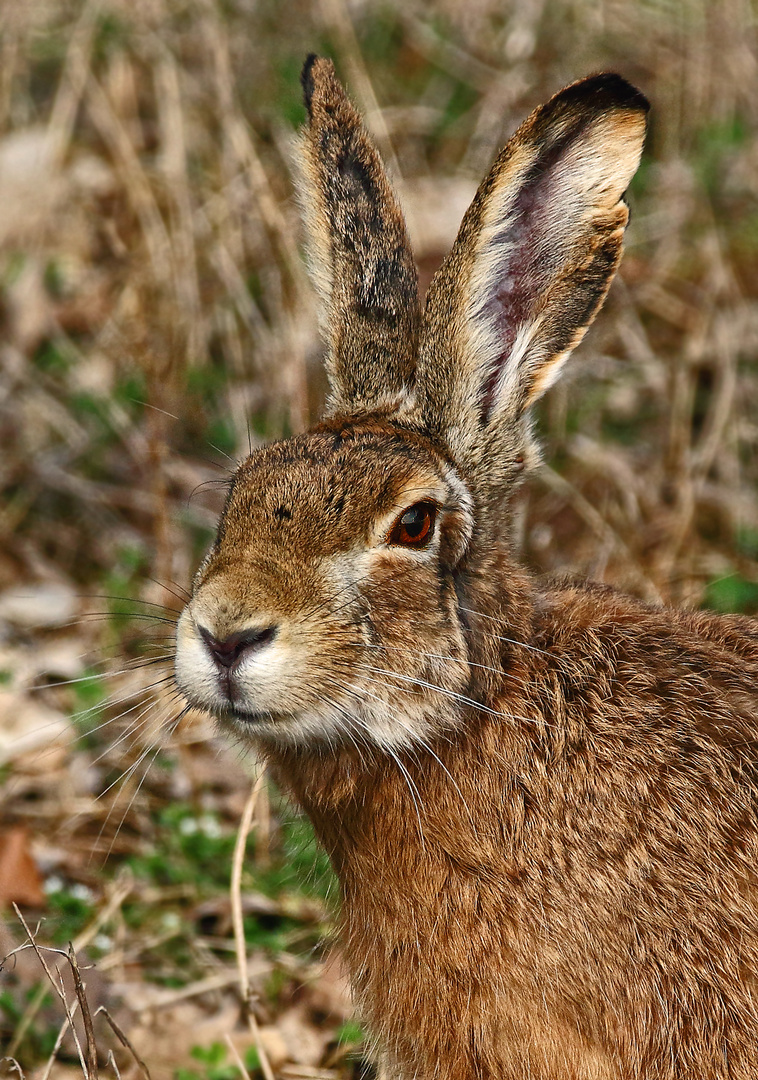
(415,526)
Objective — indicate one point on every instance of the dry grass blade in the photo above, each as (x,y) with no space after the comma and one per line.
(58,1043)
(13,1065)
(120,893)
(125,1041)
(237,1059)
(266,1069)
(605,532)
(236,890)
(27,1019)
(73,81)
(337,17)
(81,997)
(57,985)
(166,999)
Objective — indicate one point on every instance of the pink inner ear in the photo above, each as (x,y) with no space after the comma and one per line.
(526,257)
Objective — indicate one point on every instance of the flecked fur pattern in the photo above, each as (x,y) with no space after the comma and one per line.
(539,798)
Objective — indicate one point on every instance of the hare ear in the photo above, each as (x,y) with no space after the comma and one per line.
(532,262)
(359,253)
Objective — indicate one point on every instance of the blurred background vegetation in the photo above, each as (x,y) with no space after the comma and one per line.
(156,322)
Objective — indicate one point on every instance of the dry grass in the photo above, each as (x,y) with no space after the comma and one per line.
(157,322)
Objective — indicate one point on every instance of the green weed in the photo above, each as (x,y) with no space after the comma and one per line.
(215,1065)
(39,1039)
(732,594)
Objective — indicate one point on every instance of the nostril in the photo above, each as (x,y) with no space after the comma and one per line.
(232,648)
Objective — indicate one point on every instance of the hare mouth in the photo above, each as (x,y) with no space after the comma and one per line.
(242,716)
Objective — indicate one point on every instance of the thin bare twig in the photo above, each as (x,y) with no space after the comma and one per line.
(266,1069)
(58,1043)
(57,986)
(81,996)
(237,1057)
(235,890)
(125,1041)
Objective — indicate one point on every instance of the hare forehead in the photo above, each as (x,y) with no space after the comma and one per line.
(323,491)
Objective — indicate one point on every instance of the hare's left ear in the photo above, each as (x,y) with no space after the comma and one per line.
(532,262)
(360,256)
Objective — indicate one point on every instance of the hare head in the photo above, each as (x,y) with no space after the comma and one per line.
(336,604)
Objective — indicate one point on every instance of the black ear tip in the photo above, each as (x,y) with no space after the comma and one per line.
(306,79)
(623,92)
(611,90)
(603,93)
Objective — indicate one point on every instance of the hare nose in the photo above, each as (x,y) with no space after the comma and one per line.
(226,653)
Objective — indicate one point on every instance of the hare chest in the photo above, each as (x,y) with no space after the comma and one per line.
(453,962)
(455,989)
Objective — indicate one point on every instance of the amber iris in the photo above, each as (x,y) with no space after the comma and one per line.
(415,526)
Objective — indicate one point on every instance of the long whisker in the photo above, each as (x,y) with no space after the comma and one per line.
(140,693)
(103,675)
(351,734)
(132,599)
(135,725)
(148,616)
(415,736)
(412,789)
(334,596)
(432,656)
(453,694)
(420,738)
(177,591)
(499,637)
(155,749)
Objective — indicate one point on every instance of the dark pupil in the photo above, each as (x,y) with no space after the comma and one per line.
(414,521)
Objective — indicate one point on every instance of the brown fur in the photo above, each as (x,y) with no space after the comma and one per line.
(539,798)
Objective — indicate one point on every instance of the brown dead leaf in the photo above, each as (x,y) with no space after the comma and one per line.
(20,879)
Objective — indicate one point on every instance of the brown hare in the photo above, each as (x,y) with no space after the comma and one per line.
(539,799)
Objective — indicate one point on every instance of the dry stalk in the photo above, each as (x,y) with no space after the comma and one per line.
(238,859)
(68,97)
(125,1041)
(58,1043)
(604,531)
(237,1057)
(165,999)
(241,146)
(266,1069)
(173,163)
(13,1065)
(81,941)
(57,985)
(89,1029)
(136,183)
(27,1019)
(336,15)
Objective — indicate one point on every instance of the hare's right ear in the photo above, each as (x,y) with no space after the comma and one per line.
(531,265)
(360,256)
